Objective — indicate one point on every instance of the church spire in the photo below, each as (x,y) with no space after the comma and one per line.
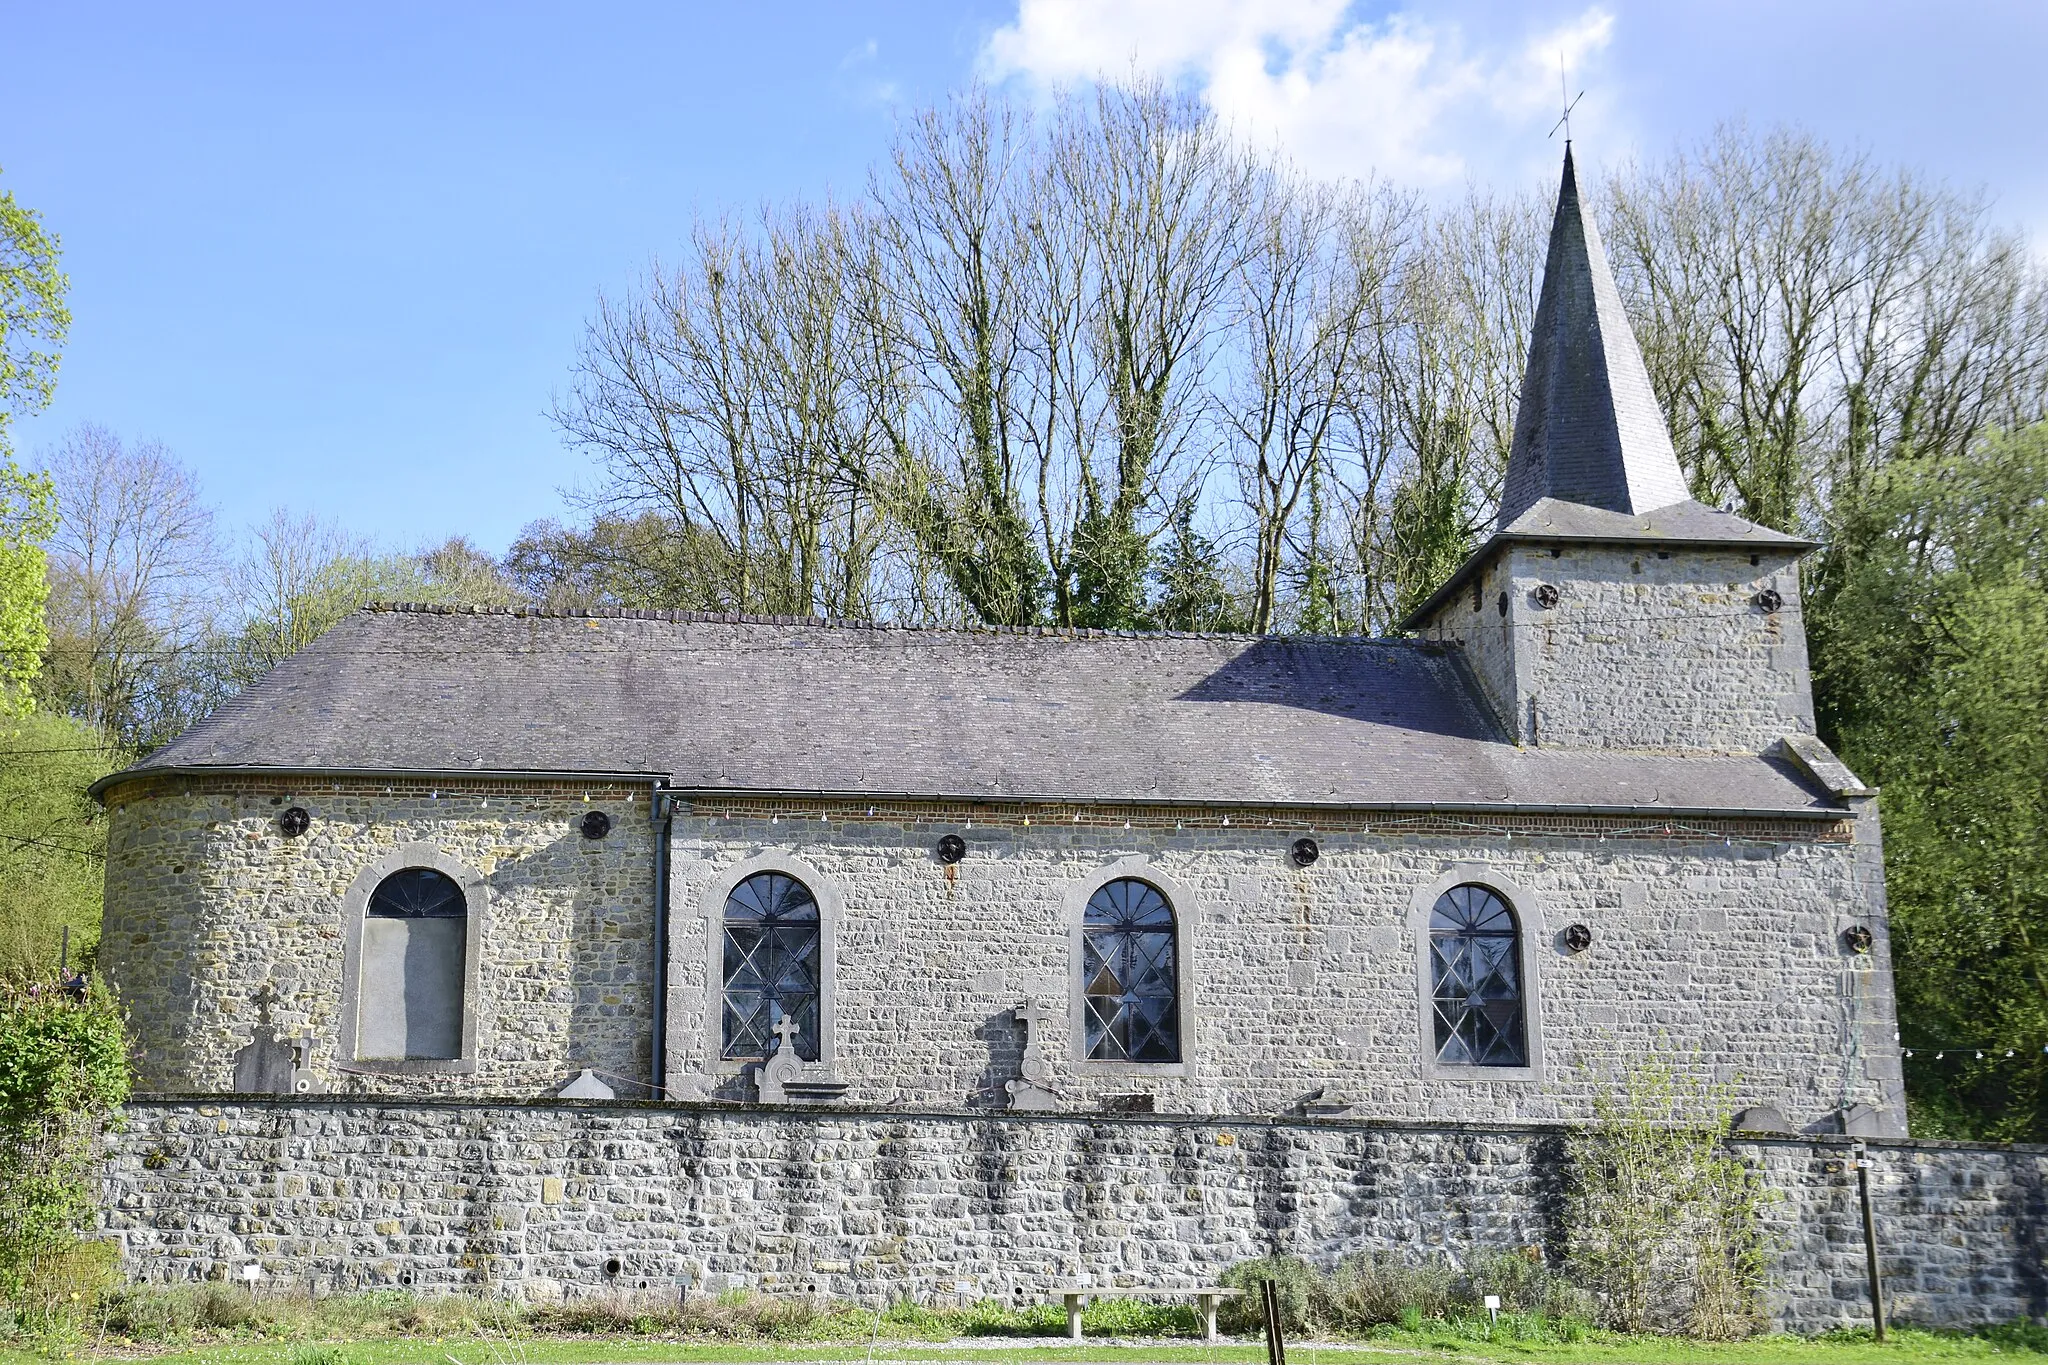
(1589,430)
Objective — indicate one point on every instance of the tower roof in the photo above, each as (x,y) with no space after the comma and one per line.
(1589,430)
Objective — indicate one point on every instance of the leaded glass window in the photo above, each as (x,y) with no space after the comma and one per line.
(418,893)
(1475,955)
(1129,974)
(772,948)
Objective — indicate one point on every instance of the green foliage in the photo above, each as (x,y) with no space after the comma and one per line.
(1931,650)
(1376,1287)
(52,844)
(1666,1225)
(28,514)
(1191,593)
(63,1072)
(33,316)
(1297,1286)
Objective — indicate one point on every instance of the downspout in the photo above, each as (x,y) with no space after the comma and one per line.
(663,815)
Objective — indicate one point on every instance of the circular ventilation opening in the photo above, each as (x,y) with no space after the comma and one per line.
(612,1267)
(1770,599)
(295,822)
(595,825)
(1305,851)
(1857,938)
(1578,938)
(952,848)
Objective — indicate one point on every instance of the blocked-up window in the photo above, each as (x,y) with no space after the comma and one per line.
(773,954)
(1129,974)
(1475,958)
(415,941)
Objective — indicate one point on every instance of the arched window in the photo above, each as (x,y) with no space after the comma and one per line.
(1129,975)
(415,941)
(772,965)
(1475,957)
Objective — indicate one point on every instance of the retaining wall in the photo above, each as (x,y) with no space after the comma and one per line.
(534,1199)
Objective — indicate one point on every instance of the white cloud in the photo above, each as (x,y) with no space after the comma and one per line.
(1416,99)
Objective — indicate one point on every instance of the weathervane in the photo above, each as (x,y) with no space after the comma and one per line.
(1569,100)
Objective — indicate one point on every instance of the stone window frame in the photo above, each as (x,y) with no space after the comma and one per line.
(830,904)
(1186,915)
(1527,908)
(355,905)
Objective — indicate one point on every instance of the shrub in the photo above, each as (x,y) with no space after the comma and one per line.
(1665,1224)
(1296,1285)
(1383,1287)
(63,1071)
(1524,1284)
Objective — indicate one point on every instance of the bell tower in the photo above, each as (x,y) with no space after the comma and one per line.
(1609,610)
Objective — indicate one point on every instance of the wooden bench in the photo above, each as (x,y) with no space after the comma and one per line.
(1078,1295)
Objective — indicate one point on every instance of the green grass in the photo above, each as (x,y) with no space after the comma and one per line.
(221,1325)
(1456,1340)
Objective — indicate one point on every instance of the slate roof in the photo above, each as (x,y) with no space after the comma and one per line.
(1588,430)
(752,705)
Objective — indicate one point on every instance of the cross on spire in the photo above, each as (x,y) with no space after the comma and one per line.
(1568,100)
(786,1029)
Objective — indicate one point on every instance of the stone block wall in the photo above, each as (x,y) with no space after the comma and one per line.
(534,1200)
(1296,980)
(1724,936)
(1644,649)
(214,915)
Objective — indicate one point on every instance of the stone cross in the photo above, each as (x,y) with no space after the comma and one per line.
(782,1067)
(1035,1067)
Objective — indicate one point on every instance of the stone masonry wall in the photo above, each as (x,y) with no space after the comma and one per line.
(533,1200)
(1296,980)
(1723,938)
(1643,650)
(210,905)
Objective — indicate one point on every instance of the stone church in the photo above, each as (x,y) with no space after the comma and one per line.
(1575,813)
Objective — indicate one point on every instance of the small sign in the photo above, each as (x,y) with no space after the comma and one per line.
(1493,1303)
(252,1273)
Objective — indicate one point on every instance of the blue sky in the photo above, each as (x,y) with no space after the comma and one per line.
(338,257)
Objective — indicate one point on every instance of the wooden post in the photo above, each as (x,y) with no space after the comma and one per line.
(1870,1240)
(1276,1341)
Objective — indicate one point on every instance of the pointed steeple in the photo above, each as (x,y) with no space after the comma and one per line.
(1589,430)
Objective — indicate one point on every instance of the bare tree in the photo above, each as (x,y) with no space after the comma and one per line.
(1307,300)
(131,568)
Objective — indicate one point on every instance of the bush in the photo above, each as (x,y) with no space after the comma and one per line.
(1525,1284)
(1296,1285)
(1383,1287)
(63,1071)
(1665,1224)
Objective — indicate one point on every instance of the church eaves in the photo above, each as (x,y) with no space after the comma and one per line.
(1589,430)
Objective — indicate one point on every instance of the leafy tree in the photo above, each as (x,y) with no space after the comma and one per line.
(27,517)
(1932,680)
(1191,593)
(52,843)
(33,315)
(33,323)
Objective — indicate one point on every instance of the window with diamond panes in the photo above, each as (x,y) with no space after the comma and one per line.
(1475,955)
(1129,974)
(772,965)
